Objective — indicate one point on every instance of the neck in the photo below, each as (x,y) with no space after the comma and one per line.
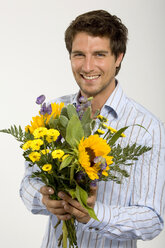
(100,99)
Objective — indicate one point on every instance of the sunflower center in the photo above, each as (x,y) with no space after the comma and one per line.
(91,155)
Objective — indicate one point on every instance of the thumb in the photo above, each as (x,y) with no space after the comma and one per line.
(44,190)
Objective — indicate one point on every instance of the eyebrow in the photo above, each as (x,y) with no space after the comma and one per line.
(76,51)
(101,51)
(95,52)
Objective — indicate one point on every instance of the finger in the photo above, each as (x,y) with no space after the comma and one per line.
(79,215)
(71,201)
(57,211)
(44,190)
(73,211)
(52,203)
(64,217)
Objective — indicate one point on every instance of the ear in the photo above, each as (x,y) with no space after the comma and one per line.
(119,59)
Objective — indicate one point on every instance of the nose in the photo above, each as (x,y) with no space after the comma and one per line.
(88,64)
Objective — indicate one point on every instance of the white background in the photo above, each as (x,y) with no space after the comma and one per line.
(33,61)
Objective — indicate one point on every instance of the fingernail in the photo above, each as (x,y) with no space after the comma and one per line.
(63,203)
(60,194)
(50,190)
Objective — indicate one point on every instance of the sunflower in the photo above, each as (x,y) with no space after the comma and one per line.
(56,110)
(37,121)
(41,120)
(90,148)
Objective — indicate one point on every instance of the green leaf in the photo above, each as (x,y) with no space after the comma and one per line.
(71,110)
(87,129)
(117,135)
(86,122)
(53,122)
(72,192)
(82,197)
(14,131)
(64,112)
(86,118)
(74,131)
(66,162)
(63,120)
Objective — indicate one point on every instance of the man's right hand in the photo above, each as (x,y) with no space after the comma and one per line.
(54,206)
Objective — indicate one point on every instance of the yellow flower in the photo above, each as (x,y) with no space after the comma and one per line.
(56,111)
(109,159)
(36,144)
(44,152)
(34,156)
(102,118)
(112,129)
(99,131)
(52,135)
(40,132)
(58,153)
(115,131)
(104,125)
(37,121)
(89,148)
(47,167)
(27,145)
(92,172)
(40,120)
(104,173)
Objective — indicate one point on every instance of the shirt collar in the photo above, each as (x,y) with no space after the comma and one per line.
(75,99)
(115,102)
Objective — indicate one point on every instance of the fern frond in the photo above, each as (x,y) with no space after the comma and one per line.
(14,131)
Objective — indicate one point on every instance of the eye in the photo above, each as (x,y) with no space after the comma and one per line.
(100,54)
(77,55)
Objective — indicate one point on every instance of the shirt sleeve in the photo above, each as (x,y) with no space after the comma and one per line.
(30,192)
(143,217)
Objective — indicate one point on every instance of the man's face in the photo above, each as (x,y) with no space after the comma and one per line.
(93,64)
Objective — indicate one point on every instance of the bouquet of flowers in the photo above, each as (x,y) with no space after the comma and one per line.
(73,151)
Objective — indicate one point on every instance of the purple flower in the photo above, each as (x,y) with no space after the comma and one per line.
(78,107)
(97,159)
(59,138)
(40,99)
(103,166)
(83,99)
(43,110)
(49,109)
(80,176)
(94,183)
(46,110)
(87,104)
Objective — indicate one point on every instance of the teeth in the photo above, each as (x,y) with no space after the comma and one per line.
(90,77)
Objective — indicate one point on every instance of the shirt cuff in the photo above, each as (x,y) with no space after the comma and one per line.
(103,214)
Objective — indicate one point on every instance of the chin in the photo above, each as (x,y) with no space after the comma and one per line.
(89,93)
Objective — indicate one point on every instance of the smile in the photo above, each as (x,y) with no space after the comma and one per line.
(90,77)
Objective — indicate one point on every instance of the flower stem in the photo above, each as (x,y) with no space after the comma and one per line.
(65,235)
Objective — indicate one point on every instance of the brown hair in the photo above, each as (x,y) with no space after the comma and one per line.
(99,23)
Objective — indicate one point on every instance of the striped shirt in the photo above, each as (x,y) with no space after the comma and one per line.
(129,211)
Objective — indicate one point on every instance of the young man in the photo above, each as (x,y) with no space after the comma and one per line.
(96,42)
